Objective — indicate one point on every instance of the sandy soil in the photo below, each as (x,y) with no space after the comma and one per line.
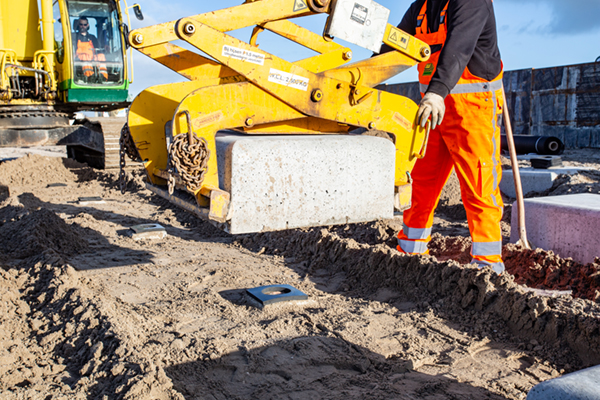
(88,312)
(12,153)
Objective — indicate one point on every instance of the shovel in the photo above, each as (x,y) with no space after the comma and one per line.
(515,167)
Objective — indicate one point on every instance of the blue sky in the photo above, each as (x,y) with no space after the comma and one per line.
(531,34)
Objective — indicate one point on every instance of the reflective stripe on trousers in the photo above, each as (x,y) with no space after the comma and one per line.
(410,247)
(416,233)
(486,248)
(413,240)
(497,267)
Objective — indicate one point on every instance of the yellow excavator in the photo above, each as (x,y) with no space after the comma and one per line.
(253,142)
(71,59)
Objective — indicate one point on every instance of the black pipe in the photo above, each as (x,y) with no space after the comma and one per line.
(543,145)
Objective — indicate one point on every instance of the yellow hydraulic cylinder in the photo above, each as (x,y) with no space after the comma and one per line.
(2,26)
(44,59)
(47,26)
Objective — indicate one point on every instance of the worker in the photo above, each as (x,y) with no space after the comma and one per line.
(461,89)
(86,49)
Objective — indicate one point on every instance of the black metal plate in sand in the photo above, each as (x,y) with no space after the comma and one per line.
(276,294)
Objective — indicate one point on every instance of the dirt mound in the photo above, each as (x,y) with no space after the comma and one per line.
(455,248)
(63,342)
(28,233)
(11,209)
(583,182)
(371,233)
(34,170)
(533,268)
(369,268)
(545,270)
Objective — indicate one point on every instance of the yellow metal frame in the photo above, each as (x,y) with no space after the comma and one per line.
(7,56)
(232,93)
(21,41)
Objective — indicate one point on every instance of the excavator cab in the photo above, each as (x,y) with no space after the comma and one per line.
(59,57)
(90,51)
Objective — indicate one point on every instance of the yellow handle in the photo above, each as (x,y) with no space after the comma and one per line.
(421,153)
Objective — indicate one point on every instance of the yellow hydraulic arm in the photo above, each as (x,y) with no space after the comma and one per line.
(244,88)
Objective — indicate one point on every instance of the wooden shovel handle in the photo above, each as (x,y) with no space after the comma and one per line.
(516,174)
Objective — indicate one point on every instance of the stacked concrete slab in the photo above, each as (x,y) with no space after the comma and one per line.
(567,224)
(533,180)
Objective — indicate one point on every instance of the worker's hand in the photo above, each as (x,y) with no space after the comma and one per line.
(431,105)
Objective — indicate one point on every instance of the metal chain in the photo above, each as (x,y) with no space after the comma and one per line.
(130,147)
(189,159)
(122,163)
(126,146)
(171,181)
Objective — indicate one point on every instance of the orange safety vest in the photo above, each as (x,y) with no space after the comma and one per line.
(85,52)
(468,83)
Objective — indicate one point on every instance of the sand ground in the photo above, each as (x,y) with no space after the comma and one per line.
(88,312)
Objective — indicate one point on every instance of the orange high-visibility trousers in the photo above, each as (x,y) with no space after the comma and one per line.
(85,51)
(468,140)
(102,66)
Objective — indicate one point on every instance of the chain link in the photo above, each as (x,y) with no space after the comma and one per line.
(190,160)
(171,181)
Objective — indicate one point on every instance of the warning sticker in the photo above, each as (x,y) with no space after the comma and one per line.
(207,119)
(299,5)
(359,13)
(288,79)
(243,55)
(399,38)
(402,121)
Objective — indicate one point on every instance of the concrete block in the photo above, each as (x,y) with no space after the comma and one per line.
(580,385)
(533,180)
(288,181)
(567,225)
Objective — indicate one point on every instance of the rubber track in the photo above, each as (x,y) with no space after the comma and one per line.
(111,130)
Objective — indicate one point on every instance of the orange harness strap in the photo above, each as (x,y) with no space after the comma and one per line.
(427,69)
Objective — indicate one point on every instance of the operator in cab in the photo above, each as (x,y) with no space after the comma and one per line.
(86,48)
(461,89)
